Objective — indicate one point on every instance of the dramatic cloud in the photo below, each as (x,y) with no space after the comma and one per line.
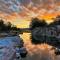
(29,8)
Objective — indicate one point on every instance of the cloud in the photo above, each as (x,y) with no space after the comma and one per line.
(9,6)
(29,8)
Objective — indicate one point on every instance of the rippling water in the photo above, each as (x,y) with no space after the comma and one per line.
(38,52)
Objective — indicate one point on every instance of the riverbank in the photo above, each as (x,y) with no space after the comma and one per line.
(8,47)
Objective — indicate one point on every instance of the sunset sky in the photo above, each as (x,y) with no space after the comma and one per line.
(20,12)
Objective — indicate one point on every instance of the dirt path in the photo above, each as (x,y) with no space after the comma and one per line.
(38,52)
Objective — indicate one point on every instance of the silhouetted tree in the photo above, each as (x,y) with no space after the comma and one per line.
(1,25)
(6,27)
(56,21)
(37,23)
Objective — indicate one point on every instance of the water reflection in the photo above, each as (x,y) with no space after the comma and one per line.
(38,52)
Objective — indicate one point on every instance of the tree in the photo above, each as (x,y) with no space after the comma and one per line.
(56,21)
(37,23)
(6,27)
(1,24)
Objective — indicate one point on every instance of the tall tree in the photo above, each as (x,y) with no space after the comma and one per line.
(37,23)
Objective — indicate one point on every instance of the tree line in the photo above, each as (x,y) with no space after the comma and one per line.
(6,27)
(43,32)
(42,23)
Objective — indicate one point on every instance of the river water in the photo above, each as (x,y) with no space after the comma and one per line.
(38,52)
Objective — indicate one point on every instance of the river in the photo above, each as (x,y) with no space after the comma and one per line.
(38,52)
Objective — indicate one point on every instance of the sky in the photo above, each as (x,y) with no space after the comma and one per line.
(18,10)
(10,6)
